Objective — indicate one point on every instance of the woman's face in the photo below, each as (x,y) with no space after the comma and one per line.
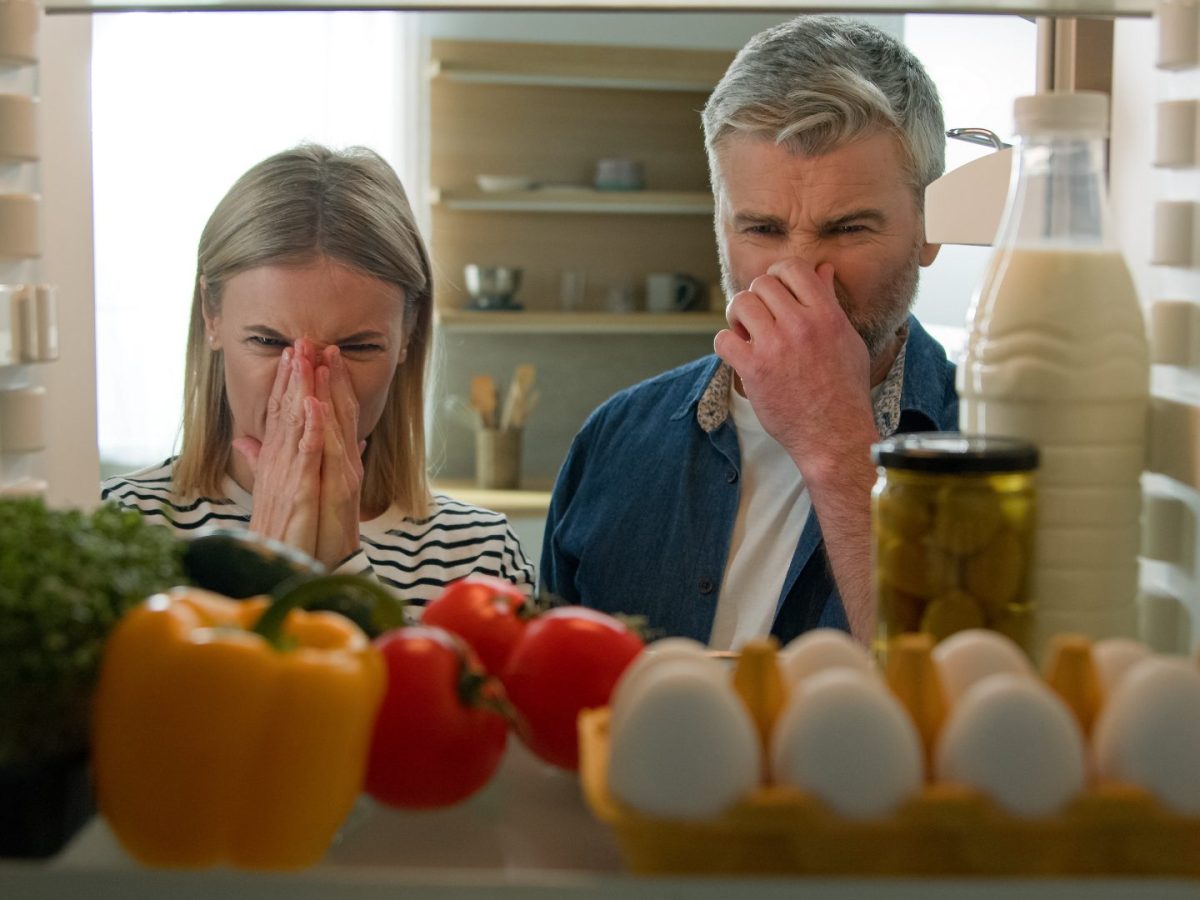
(265,309)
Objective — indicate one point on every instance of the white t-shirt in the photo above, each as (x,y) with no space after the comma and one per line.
(763,542)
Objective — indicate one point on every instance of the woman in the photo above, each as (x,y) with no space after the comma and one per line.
(304,392)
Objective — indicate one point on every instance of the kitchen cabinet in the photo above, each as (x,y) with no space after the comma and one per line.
(549,113)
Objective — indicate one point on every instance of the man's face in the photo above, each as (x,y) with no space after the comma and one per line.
(852,207)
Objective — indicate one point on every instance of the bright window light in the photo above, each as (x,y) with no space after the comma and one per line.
(182,104)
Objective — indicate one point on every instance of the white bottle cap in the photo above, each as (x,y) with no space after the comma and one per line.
(1079,112)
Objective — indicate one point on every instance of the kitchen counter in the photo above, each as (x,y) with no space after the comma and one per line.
(527,835)
(531,499)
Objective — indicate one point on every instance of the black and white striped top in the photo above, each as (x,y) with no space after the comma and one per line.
(418,557)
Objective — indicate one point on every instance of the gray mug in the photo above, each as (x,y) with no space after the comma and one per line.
(671,292)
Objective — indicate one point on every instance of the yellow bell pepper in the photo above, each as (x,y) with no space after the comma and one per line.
(214,743)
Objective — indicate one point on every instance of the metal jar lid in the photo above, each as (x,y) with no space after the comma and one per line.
(949,452)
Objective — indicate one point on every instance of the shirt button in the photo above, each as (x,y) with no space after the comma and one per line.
(706,586)
(731,476)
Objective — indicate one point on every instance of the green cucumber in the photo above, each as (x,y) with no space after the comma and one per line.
(242,564)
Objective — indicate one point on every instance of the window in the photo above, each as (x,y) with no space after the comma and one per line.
(182,104)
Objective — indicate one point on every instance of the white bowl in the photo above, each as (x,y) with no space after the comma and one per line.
(493,184)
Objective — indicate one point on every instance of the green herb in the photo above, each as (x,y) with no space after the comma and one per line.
(66,577)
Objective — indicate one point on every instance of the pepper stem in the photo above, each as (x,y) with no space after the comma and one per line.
(302,591)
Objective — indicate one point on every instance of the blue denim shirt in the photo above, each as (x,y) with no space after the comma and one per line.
(643,510)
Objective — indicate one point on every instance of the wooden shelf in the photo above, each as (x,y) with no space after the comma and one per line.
(472,321)
(579,200)
(531,499)
(648,81)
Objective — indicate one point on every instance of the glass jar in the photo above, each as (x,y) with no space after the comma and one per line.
(952,519)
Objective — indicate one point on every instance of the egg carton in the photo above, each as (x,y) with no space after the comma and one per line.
(947,829)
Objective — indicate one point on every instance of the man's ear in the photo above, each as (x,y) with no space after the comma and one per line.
(929,253)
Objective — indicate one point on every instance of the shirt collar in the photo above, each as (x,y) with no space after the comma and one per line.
(712,408)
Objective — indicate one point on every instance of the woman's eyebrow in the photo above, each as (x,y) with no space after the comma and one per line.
(267,332)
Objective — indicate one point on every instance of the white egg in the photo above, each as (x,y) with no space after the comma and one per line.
(655,654)
(1114,657)
(968,656)
(686,747)
(822,648)
(1011,737)
(848,742)
(1148,733)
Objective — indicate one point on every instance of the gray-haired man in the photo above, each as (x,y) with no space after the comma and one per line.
(730,497)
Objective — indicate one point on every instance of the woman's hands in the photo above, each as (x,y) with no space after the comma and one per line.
(308,467)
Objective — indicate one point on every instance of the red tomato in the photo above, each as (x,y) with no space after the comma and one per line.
(488,613)
(436,740)
(568,660)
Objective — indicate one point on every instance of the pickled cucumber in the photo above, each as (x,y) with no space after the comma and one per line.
(995,574)
(951,612)
(966,521)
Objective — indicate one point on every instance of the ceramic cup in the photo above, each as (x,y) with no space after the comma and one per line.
(668,292)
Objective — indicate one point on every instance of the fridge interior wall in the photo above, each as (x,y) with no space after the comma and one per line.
(1169,284)
(70,462)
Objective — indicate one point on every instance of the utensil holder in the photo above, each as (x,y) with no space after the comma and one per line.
(498,458)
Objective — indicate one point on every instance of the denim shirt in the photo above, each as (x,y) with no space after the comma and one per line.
(642,514)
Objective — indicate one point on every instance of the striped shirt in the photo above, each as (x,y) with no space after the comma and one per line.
(418,557)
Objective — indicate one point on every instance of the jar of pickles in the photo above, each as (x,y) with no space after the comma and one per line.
(952,518)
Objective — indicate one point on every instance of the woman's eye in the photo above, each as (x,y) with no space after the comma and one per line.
(270,343)
(360,349)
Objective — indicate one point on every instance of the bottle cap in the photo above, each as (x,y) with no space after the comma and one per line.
(954,453)
(1079,112)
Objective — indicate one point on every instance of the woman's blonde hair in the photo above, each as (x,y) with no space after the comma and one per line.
(300,204)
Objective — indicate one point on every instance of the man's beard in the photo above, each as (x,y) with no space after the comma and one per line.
(878,324)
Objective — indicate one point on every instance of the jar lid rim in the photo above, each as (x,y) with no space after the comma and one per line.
(953,452)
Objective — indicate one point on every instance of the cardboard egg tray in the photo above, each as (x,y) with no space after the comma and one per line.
(1111,829)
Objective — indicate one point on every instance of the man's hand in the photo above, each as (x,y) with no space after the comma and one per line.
(806,372)
(803,367)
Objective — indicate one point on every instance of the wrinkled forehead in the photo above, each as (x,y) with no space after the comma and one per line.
(900,164)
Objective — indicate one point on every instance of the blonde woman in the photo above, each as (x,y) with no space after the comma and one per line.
(304,391)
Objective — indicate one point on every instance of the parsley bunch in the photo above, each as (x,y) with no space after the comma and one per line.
(66,577)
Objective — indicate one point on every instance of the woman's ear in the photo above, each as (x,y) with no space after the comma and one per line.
(210,321)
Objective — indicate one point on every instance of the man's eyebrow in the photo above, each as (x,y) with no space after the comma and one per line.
(859,215)
(749,217)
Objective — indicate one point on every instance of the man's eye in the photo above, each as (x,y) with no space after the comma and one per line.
(848,229)
(763,229)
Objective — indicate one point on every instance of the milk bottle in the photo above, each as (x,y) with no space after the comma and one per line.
(1057,355)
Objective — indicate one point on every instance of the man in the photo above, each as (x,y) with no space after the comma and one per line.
(730,497)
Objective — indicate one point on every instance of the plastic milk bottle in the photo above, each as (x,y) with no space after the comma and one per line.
(1057,355)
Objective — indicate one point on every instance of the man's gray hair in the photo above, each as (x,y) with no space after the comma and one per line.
(818,82)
